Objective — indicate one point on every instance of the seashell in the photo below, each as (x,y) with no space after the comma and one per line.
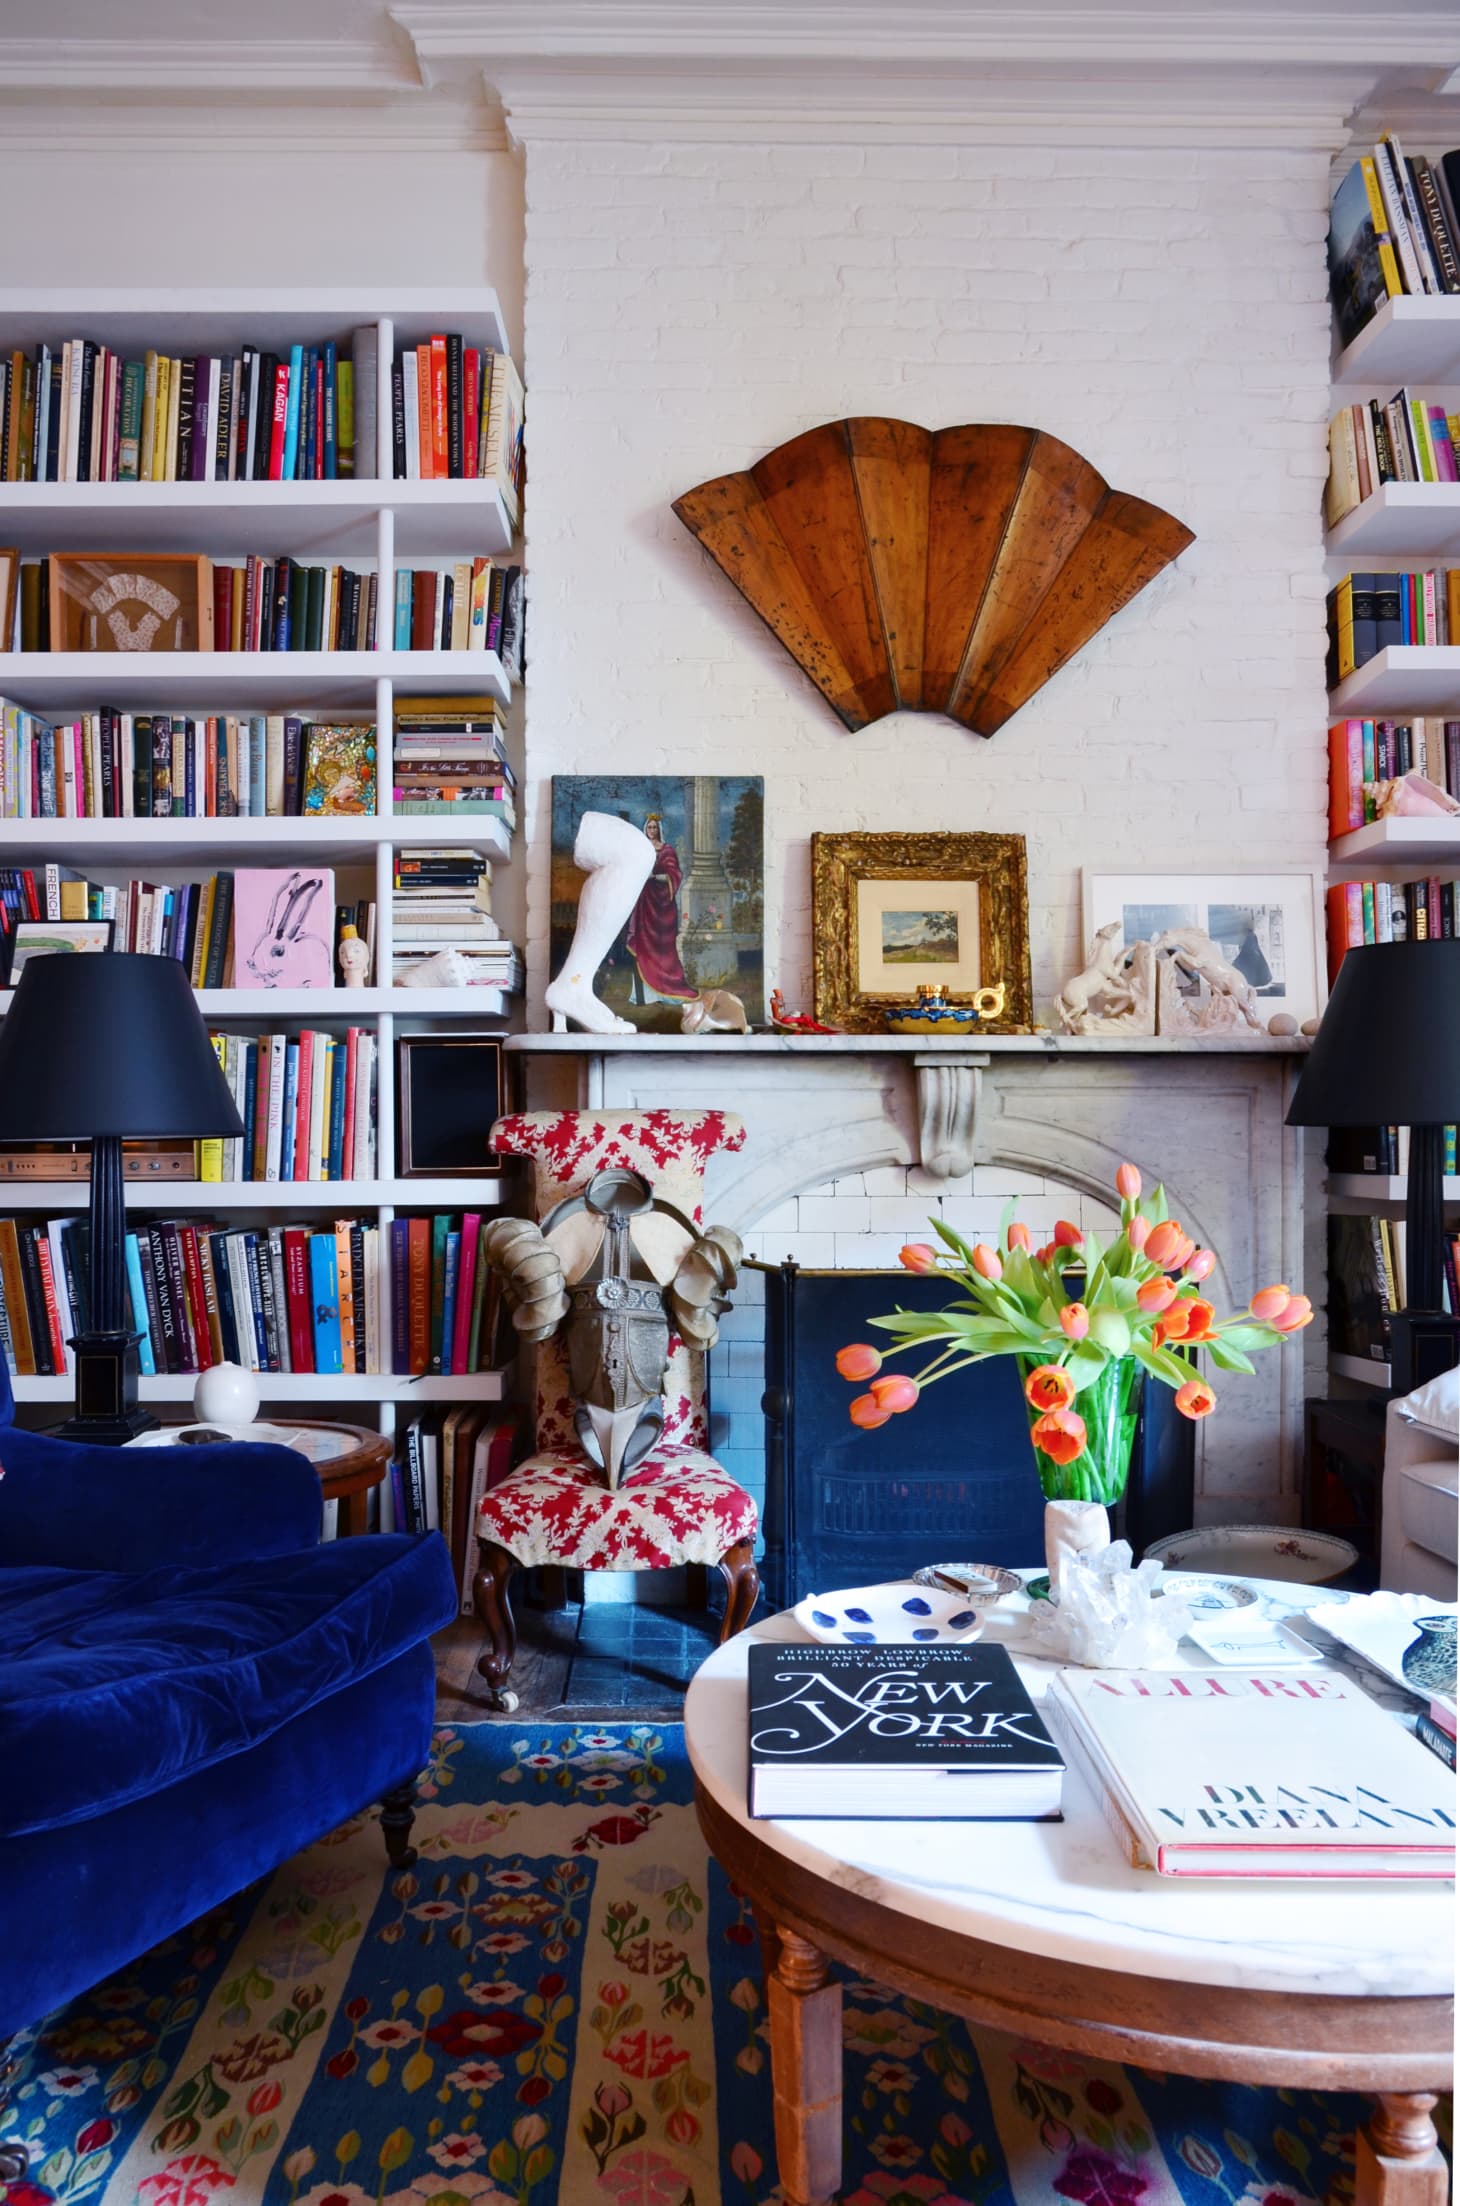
(914,570)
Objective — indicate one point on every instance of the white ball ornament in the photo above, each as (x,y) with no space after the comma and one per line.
(226,1395)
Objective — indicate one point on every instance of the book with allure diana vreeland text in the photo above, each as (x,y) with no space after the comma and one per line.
(901,1732)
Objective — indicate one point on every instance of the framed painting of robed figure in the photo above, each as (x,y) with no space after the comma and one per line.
(699,920)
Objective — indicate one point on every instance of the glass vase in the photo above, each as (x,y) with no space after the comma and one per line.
(1110,1407)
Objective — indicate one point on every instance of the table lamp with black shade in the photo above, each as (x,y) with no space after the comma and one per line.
(1387,1053)
(107,1049)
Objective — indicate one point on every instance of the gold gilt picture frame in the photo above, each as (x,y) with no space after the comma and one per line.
(891,912)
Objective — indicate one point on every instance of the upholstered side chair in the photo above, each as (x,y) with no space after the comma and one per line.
(674,1504)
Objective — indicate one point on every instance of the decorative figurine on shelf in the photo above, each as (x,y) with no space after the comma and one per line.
(933,1013)
(444,969)
(354,958)
(617,859)
(1115,993)
(1222,1001)
(795,1022)
(714,1011)
(228,1396)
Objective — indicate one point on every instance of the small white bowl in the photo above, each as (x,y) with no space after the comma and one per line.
(899,1615)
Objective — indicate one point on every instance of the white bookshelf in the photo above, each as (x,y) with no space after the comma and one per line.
(1360,1192)
(370,519)
(1405,677)
(1417,519)
(1413,843)
(1362,1370)
(1407,341)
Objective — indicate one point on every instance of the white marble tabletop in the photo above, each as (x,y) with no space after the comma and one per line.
(1063,1889)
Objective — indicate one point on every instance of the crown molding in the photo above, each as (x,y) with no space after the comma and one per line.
(220,66)
(304,128)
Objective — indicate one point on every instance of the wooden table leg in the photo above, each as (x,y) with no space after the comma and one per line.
(1398,2160)
(354,1516)
(806,2073)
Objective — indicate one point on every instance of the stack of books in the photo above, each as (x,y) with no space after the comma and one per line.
(456,411)
(1366,1282)
(1393,233)
(1412,439)
(451,757)
(110,765)
(1367,613)
(1379,1149)
(443,901)
(473,605)
(307,1102)
(1389,911)
(81,413)
(1362,753)
(447,1460)
(1299,1774)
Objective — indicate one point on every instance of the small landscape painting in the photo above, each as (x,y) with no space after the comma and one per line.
(920,937)
(699,921)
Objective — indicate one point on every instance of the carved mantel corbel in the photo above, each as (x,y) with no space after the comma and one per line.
(948,1097)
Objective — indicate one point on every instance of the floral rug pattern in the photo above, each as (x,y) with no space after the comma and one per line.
(562,2001)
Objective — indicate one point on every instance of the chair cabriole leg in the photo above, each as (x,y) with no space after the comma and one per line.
(490,1590)
(397,1814)
(742,1587)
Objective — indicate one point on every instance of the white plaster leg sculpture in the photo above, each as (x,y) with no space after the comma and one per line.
(616,859)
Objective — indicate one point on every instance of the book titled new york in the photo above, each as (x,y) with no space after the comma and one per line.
(904,1732)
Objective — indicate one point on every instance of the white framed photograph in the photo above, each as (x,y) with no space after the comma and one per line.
(1267,926)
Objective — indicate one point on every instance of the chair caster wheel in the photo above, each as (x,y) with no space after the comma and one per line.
(501,1699)
(14,2162)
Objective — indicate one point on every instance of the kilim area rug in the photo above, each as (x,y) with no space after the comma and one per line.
(562,2002)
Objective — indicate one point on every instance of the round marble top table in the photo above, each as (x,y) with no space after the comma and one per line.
(1043,1929)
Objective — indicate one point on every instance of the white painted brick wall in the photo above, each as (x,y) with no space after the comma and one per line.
(689,307)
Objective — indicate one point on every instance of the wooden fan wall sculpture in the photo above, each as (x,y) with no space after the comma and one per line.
(930,571)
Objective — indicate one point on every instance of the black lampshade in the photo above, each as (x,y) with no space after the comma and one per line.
(1387,1050)
(110,1044)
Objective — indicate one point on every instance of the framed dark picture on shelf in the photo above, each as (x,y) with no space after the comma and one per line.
(891,913)
(449,1092)
(57,938)
(131,601)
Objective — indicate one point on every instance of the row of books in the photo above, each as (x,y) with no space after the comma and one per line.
(442,900)
(1389,911)
(257,605)
(1378,1149)
(256,927)
(456,410)
(1366,1282)
(307,1102)
(291,1298)
(446,1461)
(472,605)
(1363,753)
(109,765)
(451,754)
(1367,613)
(1393,232)
(81,413)
(1410,440)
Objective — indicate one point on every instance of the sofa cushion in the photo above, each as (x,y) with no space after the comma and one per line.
(114,1685)
(1428,1499)
(1435,1405)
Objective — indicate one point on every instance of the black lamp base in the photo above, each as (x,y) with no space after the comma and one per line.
(108,1413)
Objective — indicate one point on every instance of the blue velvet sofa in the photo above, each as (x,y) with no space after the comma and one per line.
(192,1688)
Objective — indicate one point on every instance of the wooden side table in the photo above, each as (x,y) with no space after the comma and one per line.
(350,1459)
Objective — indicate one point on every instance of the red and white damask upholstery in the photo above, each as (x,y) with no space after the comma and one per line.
(678,1505)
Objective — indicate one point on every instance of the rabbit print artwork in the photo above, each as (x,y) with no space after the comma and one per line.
(283,927)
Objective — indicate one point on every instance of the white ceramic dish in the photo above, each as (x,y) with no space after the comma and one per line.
(1244,1641)
(1256,1551)
(983,1582)
(897,1615)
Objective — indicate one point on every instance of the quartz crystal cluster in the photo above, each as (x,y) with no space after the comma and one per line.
(1109,1616)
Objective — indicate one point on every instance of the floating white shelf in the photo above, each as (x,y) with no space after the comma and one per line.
(222,1196)
(1407,677)
(1410,518)
(305,1386)
(334,1006)
(1359,1368)
(171,842)
(234,681)
(1379,1187)
(1409,842)
(1407,341)
(320,522)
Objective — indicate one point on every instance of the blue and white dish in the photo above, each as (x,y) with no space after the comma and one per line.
(897,1615)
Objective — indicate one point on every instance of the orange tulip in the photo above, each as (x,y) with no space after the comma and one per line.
(1127,1183)
(1067,1236)
(987,1262)
(1269,1303)
(1060,1435)
(1195,1399)
(1042,1256)
(1163,1241)
(868,1412)
(896,1393)
(1188,1319)
(1074,1321)
(1185,1250)
(1018,1237)
(917,1257)
(858,1360)
(1298,1313)
(1201,1264)
(1138,1232)
(1155,1295)
(1049,1387)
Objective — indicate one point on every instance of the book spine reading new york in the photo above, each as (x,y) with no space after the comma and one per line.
(1409,439)
(110,765)
(292,1298)
(1370,613)
(1362,754)
(1388,911)
(1392,233)
(79,412)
